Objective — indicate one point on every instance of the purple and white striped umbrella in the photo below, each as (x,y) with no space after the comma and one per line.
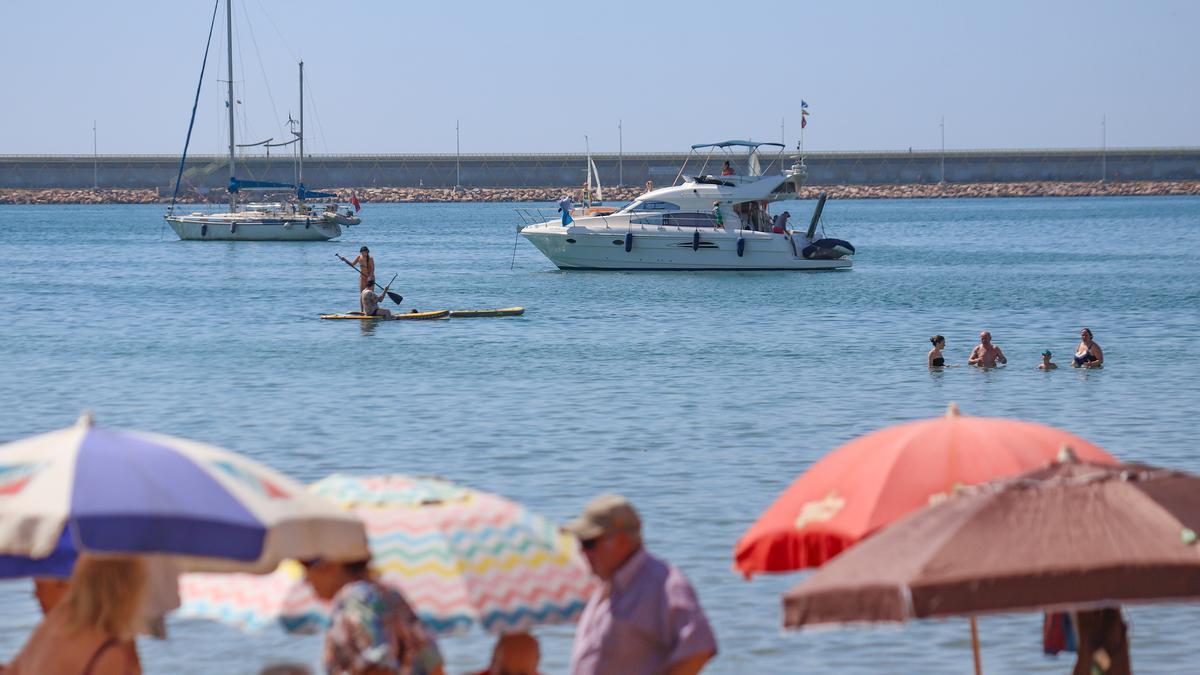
(93,490)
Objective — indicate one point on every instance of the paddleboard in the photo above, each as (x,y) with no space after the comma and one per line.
(411,316)
(472,313)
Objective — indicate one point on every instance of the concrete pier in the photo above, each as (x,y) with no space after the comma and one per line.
(206,172)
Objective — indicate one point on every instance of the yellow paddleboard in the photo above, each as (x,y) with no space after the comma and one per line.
(471,313)
(411,316)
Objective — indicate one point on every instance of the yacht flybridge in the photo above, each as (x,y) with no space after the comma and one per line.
(705,222)
(278,221)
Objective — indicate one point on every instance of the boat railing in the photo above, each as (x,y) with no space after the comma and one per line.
(531,216)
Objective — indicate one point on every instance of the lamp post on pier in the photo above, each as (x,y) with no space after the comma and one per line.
(943,128)
(620,155)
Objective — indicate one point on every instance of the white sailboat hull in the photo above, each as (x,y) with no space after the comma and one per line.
(229,227)
(671,248)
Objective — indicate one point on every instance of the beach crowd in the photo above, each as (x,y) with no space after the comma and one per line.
(644,616)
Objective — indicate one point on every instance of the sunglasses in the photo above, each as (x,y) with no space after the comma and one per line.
(590,544)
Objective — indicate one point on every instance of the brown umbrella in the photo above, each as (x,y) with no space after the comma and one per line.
(1070,536)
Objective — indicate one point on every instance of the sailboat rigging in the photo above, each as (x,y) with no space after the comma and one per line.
(291,221)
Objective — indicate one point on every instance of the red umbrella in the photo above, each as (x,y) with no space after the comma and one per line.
(876,479)
(1070,536)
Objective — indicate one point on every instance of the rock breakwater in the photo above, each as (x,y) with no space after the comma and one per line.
(619,195)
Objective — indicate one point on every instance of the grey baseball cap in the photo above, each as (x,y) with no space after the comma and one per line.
(606,513)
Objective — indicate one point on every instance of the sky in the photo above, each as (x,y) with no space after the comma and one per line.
(395,77)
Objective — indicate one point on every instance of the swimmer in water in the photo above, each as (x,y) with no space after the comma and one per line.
(1046,364)
(985,354)
(1088,354)
(935,358)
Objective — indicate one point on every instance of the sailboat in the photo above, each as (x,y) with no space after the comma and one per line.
(292,221)
(592,200)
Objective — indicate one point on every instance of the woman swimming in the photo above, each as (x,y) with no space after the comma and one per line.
(1088,354)
(935,358)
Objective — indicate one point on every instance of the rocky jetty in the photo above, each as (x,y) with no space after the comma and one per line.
(619,195)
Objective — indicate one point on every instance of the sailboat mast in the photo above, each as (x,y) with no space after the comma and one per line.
(587,196)
(229,101)
(300,174)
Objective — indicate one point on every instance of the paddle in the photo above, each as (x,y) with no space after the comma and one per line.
(396,297)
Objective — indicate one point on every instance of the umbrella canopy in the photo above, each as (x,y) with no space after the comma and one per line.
(87,489)
(1070,536)
(458,555)
(878,478)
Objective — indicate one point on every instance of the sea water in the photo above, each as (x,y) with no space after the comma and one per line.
(700,396)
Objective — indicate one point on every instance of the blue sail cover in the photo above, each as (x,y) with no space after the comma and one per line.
(236,184)
(304,193)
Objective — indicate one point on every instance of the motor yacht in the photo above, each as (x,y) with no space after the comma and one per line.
(702,222)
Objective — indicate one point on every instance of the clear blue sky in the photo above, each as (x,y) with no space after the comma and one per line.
(388,77)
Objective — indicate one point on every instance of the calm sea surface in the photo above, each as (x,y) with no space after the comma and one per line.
(700,396)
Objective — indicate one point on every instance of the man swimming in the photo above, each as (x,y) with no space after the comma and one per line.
(985,354)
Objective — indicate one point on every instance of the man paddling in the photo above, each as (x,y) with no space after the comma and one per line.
(369,300)
(366,268)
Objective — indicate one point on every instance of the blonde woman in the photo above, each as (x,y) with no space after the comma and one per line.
(91,632)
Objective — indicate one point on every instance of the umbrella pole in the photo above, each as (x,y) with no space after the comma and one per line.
(975,646)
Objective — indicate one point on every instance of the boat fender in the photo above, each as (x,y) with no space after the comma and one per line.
(232,228)
(696,240)
(628,242)
(203,230)
(741,246)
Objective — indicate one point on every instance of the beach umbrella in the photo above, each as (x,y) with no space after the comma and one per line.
(875,479)
(104,491)
(460,557)
(1069,536)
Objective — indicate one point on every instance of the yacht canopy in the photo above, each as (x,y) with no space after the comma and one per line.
(735,144)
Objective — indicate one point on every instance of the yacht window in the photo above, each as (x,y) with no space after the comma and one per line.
(654,205)
(653,219)
(689,219)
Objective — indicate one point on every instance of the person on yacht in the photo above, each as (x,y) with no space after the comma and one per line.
(985,354)
(779,223)
(1088,354)
(727,170)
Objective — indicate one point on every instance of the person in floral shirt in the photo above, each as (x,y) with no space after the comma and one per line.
(372,629)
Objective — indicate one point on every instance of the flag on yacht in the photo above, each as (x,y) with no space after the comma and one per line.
(803,122)
(803,105)
(355,202)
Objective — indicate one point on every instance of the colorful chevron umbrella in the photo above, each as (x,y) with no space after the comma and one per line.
(459,556)
(97,490)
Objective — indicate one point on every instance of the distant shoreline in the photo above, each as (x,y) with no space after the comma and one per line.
(553,194)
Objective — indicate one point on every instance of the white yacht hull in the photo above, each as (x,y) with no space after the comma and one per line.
(672,248)
(222,227)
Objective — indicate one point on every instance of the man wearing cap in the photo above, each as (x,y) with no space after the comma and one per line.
(1046,363)
(645,617)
